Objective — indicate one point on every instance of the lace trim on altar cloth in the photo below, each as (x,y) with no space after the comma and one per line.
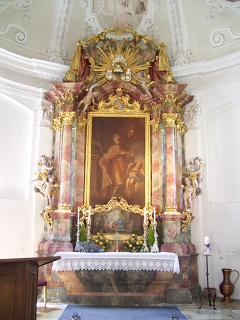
(72,261)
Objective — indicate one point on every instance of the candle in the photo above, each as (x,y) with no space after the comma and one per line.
(207,246)
(206,240)
(154,215)
(145,216)
(78,213)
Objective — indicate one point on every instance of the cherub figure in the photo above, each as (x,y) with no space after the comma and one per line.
(197,165)
(44,168)
(89,98)
(195,173)
(49,192)
(188,193)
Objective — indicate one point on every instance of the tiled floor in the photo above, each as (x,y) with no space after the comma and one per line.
(224,311)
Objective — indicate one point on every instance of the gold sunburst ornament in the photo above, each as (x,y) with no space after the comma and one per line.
(118,64)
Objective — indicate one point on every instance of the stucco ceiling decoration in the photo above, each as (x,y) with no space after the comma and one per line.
(137,15)
(221,6)
(189,37)
(180,46)
(60,31)
(17,5)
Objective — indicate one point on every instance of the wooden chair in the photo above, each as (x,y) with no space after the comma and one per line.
(43,283)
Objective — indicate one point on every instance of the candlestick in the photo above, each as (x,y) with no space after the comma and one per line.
(89,216)
(116,241)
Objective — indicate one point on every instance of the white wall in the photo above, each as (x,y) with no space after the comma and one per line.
(215,138)
(22,142)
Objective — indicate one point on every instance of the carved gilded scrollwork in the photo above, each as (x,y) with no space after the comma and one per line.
(57,124)
(120,103)
(187,221)
(47,218)
(114,203)
(169,119)
(82,122)
(155,124)
(181,127)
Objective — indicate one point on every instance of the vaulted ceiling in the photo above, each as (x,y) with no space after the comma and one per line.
(193,30)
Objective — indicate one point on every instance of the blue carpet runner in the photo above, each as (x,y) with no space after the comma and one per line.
(121,313)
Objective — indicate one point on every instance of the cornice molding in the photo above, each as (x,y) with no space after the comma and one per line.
(39,69)
(221,70)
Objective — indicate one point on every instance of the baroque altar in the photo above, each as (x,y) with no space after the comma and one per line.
(118,160)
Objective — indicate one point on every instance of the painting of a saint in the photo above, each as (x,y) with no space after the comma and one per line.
(118,160)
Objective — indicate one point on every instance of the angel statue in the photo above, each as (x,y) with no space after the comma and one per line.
(45,180)
(195,173)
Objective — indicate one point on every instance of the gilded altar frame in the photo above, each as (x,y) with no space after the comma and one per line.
(102,126)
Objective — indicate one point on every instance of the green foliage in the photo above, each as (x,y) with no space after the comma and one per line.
(82,234)
(150,236)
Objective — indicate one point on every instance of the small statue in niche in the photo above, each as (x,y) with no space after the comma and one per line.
(188,193)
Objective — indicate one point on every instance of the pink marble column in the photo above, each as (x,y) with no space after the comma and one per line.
(65,161)
(171,174)
(157,163)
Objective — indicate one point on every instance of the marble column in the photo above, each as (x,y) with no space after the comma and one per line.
(171,188)
(65,161)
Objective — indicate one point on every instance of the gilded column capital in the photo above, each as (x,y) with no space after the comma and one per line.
(68,117)
(169,98)
(181,127)
(68,97)
(169,119)
(56,124)
(155,124)
(59,104)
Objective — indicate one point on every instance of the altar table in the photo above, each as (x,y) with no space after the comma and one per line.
(116,278)
(126,261)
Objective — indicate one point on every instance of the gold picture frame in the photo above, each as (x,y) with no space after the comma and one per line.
(103,176)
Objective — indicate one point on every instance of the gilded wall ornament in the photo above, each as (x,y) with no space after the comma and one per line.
(57,124)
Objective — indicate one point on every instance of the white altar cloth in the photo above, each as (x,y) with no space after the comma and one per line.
(162,261)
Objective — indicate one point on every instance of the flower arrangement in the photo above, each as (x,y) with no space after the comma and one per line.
(102,240)
(134,244)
